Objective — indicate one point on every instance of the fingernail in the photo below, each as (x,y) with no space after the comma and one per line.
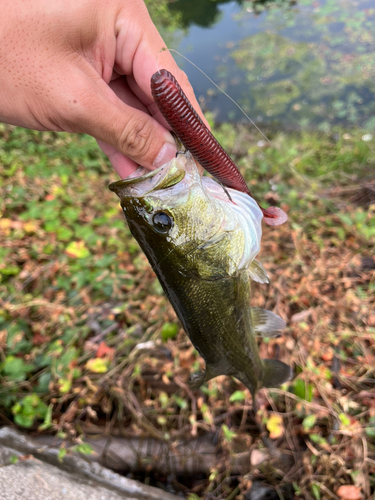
(167,152)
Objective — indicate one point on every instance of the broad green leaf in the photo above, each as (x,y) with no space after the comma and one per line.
(28,409)
(315,490)
(24,420)
(344,419)
(15,368)
(228,434)
(302,390)
(61,454)
(84,448)
(180,401)
(169,331)
(237,396)
(65,384)
(9,270)
(309,422)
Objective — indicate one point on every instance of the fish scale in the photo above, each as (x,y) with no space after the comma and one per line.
(203,255)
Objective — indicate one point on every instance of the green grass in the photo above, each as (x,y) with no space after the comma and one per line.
(77,296)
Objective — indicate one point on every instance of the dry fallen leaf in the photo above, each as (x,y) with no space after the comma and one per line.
(30,227)
(97,365)
(71,412)
(275,426)
(38,339)
(186,358)
(328,355)
(301,316)
(3,338)
(257,457)
(349,492)
(105,351)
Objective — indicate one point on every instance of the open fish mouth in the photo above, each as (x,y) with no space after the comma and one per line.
(143,181)
(177,183)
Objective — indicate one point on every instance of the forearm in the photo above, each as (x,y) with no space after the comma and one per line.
(85,66)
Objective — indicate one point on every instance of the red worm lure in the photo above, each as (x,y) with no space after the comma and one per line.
(196,137)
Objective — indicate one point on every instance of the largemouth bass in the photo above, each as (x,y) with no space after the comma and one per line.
(201,240)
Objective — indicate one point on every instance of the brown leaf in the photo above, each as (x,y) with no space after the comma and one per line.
(90,347)
(328,355)
(186,358)
(301,316)
(349,492)
(26,457)
(257,457)
(3,338)
(71,412)
(39,339)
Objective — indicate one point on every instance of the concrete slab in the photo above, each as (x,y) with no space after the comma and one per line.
(38,475)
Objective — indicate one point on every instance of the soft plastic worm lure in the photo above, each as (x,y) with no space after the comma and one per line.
(196,137)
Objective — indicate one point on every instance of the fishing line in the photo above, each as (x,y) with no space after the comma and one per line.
(217,86)
(166,49)
(328,203)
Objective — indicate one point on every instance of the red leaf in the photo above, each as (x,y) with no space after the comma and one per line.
(39,339)
(104,351)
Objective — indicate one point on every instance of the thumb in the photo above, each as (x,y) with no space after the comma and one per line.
(126,130)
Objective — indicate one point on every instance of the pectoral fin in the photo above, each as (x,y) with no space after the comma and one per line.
(217,238)
(266,323)
(275,373)
(257,272)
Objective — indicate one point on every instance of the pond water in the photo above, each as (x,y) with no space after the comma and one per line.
(309,64)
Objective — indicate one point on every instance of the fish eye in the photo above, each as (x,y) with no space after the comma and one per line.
(162,222)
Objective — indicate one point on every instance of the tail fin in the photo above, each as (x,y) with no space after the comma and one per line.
(275,373)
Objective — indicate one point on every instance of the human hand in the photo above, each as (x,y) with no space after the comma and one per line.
(85,66)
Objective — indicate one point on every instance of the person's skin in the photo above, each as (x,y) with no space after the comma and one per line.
(85,66)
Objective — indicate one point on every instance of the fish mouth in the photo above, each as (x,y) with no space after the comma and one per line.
(124,183)
(143,182)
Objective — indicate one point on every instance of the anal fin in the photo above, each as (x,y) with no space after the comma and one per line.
(266,323)
(275,373)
